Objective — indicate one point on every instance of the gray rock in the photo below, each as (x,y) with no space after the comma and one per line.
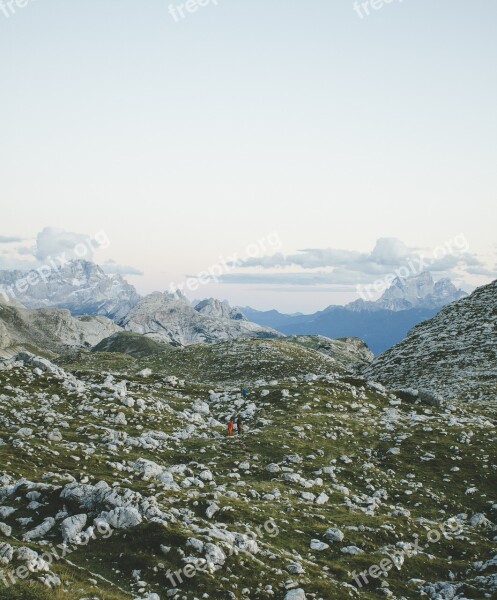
(40,531)
(214,555)
(24,553)
(352,550)
(73,526)
(6,553)
(295,568)
(273,468)
(297,594)
(124,518)
(318,545)
(334,535)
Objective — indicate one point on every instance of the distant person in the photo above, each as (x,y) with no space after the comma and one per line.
(244,392)
(239,426)
(231,424)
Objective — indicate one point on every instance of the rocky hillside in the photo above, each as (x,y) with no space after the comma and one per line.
(170,318)
(347,352)
(80,286)
(49,329)
(126,342)
(117,480)
(453,354)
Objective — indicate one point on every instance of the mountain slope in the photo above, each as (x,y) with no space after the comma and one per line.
(49,329)
(380,329)
(170,318)
(126,342)
(80,286)
(273,318)
(332,475)
(454,353)
(347,352)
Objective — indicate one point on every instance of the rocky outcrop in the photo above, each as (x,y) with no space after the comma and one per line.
(49,329)
(347,352)
(172,319)
(221,310)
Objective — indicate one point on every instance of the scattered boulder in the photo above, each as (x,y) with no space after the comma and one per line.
(123,517)
(71,527)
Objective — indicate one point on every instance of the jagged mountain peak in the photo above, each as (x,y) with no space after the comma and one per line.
(80,286)
(177,295)
(416,291)
(172,319)
(218,308)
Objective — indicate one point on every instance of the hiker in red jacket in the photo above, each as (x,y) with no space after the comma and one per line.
(231,424)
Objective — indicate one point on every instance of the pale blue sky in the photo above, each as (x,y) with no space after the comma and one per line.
(188,140)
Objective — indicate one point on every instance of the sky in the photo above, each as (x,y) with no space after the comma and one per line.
(293,151)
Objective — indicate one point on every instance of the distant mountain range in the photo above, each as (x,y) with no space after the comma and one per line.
(83,288)
(381,323)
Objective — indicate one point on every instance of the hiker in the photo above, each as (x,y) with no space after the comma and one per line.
(239,426)
(231,424)
(244,392)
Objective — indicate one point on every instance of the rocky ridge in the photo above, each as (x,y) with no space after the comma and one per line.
(49,329)
(453,354)
(170,318)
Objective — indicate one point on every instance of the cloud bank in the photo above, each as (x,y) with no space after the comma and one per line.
(333,266)
(54,247)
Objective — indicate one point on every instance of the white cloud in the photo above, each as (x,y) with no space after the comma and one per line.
(348,267)
(387,252)
(113,268)
(52,247)
(338,277)
(5,239)
(390,251)
(52,242)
